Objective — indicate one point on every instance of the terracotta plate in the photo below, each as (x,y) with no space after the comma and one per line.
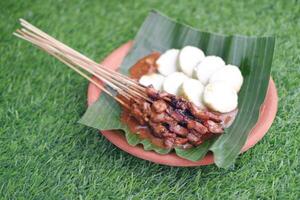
(267,115)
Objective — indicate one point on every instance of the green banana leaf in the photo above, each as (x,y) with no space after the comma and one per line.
(252,54)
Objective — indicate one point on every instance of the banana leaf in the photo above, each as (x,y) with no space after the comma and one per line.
(252,54)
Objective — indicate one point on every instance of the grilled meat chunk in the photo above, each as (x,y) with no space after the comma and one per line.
(178,122)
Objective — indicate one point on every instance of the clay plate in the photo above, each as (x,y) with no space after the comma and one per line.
(266,117)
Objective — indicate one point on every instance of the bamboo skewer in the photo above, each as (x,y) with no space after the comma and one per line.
(120,83)
(130,88)
(63,60)
(59,44)
(73,65)
(108,79)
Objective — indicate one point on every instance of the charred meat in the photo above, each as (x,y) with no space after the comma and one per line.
(178,122)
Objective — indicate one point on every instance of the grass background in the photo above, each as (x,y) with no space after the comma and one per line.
(46,154)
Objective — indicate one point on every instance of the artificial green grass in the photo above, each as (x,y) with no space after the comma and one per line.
(46,154)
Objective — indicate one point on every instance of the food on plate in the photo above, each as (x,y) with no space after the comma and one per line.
(160,100)
(167,62)
(189,57)
(173,82)
(209,65)
(184,111)
(181,81)
(230,74)
(177,116)
(192,90)
(220,96)
(155,79)
(171,121)
(162,103)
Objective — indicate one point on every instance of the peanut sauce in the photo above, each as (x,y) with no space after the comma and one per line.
(142,131)
(146,65)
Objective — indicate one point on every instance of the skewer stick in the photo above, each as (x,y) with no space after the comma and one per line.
(114,84)
(127,82)
(75,69)
(35,30)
